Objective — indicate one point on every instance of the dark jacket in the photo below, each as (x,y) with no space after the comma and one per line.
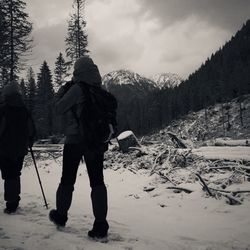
(70,99)
(17,130)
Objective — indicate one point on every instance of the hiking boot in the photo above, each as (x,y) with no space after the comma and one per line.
(58,219)
(9,210)
(11,207)
(99,230)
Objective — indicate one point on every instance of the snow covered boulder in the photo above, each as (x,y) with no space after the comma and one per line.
(126,140)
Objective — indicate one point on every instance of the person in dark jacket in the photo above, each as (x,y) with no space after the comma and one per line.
(70,100)
(17,132)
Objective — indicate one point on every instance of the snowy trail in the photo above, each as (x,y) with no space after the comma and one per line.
(139,220)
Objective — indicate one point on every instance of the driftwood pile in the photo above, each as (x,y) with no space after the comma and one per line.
(177,166)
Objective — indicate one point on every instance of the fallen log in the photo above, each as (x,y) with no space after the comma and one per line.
(231,167)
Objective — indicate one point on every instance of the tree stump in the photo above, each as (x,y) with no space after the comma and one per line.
(126,140)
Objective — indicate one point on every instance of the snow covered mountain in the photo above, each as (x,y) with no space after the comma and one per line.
(127,77)
(166,80)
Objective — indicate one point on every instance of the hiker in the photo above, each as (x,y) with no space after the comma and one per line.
(17,132)
(70,102)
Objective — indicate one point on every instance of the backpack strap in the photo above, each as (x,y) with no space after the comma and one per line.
(86,96)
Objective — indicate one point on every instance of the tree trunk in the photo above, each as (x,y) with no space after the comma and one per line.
(78,30)
(223,120)
(241,116)
(206,126)
(11,42)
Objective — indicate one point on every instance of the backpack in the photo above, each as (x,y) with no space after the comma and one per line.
(15,134)
(97,121)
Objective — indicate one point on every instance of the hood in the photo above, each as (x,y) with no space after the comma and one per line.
(11,95)
(86,71)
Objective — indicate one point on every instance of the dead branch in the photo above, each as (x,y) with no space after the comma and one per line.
(156,160)
(204,185)
(242,172)
(229,195)
(177,142)
(232,200)
(181,189)
(144,142)
(230,192)
(167,178)
(141,150)
(149,189)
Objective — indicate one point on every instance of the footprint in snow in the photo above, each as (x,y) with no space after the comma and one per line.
(128,248)
(3,235)
(187,238)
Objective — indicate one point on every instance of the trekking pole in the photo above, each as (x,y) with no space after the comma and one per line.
(32,155)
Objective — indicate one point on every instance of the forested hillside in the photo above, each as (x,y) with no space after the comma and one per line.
(224,76)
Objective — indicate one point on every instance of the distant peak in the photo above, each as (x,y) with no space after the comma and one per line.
(128,77)
(166,80)
(123,77)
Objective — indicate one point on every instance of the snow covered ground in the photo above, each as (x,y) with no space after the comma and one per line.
(159,219)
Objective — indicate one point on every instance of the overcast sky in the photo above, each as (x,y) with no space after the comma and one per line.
(145,36)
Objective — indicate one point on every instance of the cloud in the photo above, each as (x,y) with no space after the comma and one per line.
(48,42)
(48,13)
(142,35)
(112,33)
(185,50)
(143,44)
(224,14)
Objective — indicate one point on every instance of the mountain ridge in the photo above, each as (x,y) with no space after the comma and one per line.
(128,77)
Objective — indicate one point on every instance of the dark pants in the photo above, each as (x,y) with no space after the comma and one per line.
(72,155)
(11,172)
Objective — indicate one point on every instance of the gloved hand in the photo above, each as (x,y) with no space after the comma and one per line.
(30,142)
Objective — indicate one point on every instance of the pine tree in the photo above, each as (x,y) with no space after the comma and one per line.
(3,48)
(44,102)
(60,71)
(23,89)
(15,39)
(76,40)
(31,90)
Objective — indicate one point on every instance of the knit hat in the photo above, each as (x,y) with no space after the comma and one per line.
(12,95)
(86,71)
